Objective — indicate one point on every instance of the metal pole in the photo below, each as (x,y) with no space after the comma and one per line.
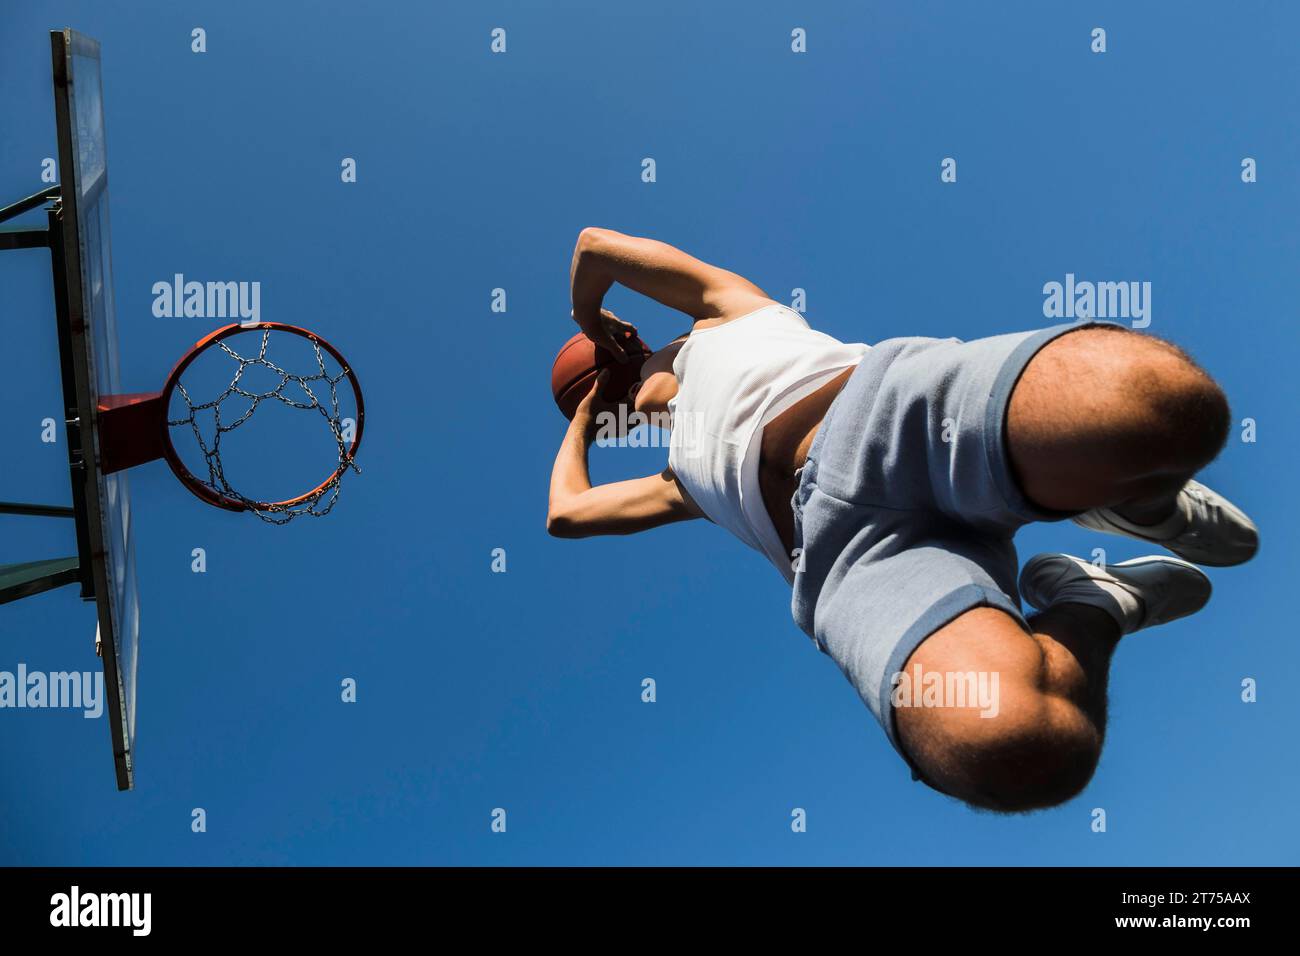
(31,202)
(41,511)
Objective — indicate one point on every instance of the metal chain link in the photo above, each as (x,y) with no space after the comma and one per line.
(275,513)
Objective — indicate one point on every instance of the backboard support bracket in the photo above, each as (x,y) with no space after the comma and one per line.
(19,581)
(50,237)
(32,577)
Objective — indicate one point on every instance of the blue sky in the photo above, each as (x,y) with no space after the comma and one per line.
(522,690)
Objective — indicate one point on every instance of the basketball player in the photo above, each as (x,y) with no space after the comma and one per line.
(886,482)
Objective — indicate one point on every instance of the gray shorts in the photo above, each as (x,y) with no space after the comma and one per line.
(907,506)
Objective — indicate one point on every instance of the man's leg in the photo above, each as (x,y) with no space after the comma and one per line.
(1114,424)
(1101,417)
(1042,746)
(1039,746)
(1105,417)
(1098,417)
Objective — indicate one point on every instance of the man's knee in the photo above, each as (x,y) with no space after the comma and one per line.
(1186,413)
(1040,751)
(1116,406)
(1012,747)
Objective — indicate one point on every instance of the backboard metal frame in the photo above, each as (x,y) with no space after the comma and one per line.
(72,294)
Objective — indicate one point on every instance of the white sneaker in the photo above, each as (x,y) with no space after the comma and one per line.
(1205,527)
(1138,593)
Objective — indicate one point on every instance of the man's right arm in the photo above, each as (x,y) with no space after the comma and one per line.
(657,270)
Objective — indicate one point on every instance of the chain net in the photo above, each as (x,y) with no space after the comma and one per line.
(319,502)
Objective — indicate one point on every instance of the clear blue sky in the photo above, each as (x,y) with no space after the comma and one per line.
(522,690)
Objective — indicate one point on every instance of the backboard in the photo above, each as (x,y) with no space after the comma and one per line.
(83,269)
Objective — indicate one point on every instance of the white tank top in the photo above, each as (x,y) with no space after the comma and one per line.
(732,379)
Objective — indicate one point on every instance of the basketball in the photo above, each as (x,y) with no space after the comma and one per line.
(580,361)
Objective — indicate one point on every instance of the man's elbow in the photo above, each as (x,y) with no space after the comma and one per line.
(590,237)
(560,525)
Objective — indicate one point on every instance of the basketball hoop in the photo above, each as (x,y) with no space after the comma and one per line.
(135,429)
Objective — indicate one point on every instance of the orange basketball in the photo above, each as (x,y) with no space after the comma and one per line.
(580,361)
